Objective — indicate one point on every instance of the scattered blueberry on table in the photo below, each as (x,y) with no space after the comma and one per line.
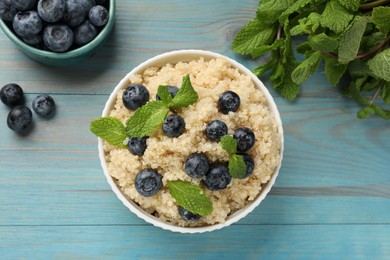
(19,118)
(43,105)
(51,24)
(12,94)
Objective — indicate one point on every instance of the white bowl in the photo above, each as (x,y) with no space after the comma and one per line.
(174,57)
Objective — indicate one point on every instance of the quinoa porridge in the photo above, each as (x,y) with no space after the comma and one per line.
(167,155)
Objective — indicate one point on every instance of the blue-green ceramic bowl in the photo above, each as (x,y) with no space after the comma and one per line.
(66,58)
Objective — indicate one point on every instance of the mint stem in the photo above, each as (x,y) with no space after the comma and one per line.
(377,92)
(373,4)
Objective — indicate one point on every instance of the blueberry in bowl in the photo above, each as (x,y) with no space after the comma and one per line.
(57,32)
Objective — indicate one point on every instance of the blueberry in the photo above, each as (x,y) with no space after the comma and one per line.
(43,105)
(173,125)
(228,101)
(87,4)
(74,13)
(19,118)
(215,130)
(172,90)
(218,177)
(84,33)
(148,182)
(98,15)
(33,39)
(135,96)
(249,163)
(196,165)
(51,10)
(24,5)
(27,23)
(187,215)
(245,139)
(58,37)
(137,145)
(7,10)
(12,94)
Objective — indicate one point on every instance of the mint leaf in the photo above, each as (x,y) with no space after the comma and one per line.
(295,7)
(307,25)
(323,42)
(266,48)
(352,5)
(380,65)
(385,94)
(254,35)
(334,70)
(237,166)
(381,18)
(190,197)
(307,67)
(270,11)
(146,119)
(265,67)
(164,94)
(110,129)
(365,112)
(350,41)
(336,17)
(229,144)
(185,96)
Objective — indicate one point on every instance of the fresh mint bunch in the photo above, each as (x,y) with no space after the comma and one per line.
(350,36)
(190,197)
(146,118)
(237,166)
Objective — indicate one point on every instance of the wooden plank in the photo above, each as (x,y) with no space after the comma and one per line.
(335,169)
(143,30)
(248,242)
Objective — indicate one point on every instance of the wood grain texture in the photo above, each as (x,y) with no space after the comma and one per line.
(331,199)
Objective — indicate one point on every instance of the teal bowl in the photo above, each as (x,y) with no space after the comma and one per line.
(66,58)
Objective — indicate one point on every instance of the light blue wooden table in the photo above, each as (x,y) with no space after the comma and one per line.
(331,199)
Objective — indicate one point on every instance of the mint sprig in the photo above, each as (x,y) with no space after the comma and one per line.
(190,197)
(110,129)
(341,33)
(237,166)
(146,118)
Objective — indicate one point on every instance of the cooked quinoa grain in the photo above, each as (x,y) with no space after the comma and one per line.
(167,155)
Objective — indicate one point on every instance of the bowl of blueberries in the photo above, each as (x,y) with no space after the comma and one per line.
(57,32)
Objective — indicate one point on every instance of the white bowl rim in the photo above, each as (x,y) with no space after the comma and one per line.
(139,211)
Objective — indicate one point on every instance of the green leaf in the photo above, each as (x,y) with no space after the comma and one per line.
(336,17)
(237,166)
(190,197)
(359,68)
(146,119)
(381,18)
(365,112)
(110,129)
(323,42)
(350,41)
(185,96)
(164,94)
(296,7)
(385,94)
(257,52)
(270,11)
(265,67)
(229,144)
(307,25)
(380,65)
(306,68)
(334,70)
(254,35)
(352,5)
